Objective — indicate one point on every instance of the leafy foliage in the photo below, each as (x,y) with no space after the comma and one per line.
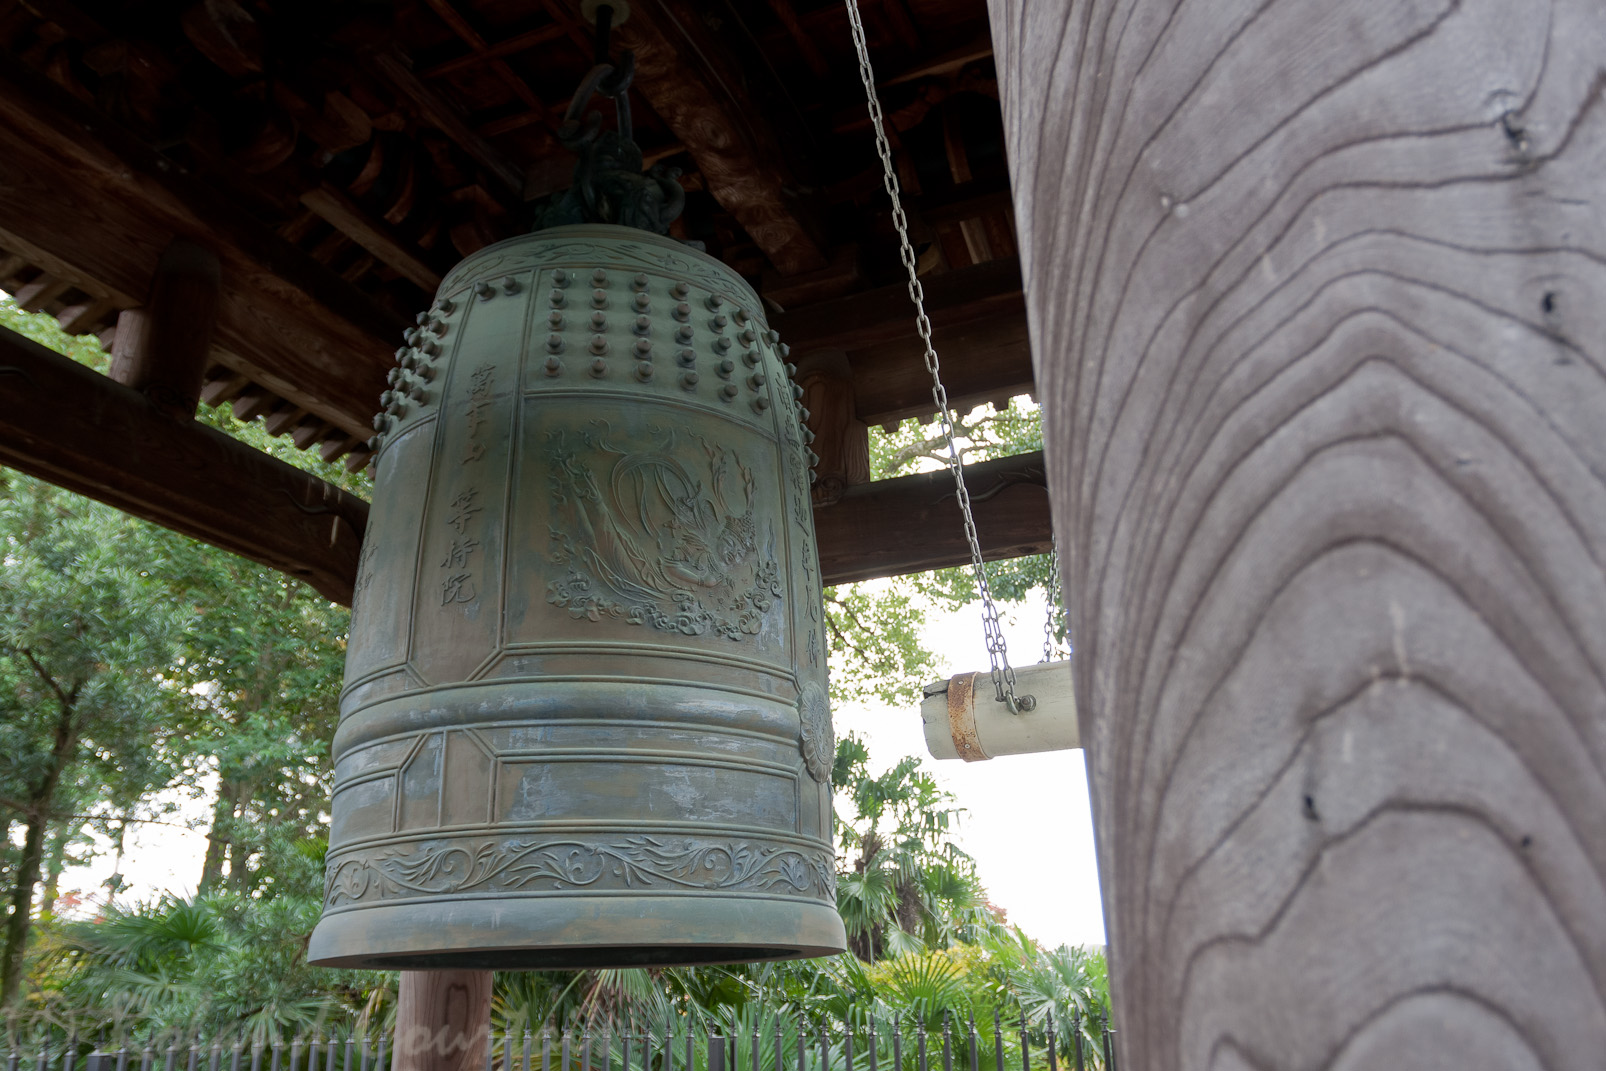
(876,649)
(186,666)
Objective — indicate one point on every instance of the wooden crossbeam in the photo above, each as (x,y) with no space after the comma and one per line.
(76,428)
(86,202)
(912,523)
(508,46)
(67,424)
(460,25)
(978,316)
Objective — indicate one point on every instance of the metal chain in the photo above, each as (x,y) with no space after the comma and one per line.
(1056,609)
(997,652)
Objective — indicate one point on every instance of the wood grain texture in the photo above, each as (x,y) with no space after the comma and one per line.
(683,71)
(442,1021)
(1318,304)
(162,349)
(912,523)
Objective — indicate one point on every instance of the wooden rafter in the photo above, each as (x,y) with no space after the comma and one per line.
(85,201)
(374,235)
(684,73)
(486,53)
(394,68)
(979,319)
(508,46)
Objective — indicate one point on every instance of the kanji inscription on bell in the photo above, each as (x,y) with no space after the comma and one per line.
(585,719)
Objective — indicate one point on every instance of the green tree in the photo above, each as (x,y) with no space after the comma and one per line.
(908,886)
(875,626)
(88,636)
(262,659)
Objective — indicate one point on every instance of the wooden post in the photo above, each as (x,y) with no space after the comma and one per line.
(1315,294)
(162,349)
(840,438)
(442,1021)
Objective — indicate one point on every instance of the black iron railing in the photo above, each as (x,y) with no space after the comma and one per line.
(774,1042)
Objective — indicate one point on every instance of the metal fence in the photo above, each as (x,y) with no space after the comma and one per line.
(775,1043)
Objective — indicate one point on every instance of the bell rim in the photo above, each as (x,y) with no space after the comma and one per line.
(509,933)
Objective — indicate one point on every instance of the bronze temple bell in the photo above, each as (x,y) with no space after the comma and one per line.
(585,720)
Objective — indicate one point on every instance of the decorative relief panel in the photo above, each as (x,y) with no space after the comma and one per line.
(531,864)
(668,538)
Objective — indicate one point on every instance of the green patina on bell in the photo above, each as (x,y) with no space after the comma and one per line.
(585,720)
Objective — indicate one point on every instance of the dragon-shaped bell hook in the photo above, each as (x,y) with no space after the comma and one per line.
(610,185)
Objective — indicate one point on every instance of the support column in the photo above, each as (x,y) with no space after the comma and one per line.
(1315,295)
(162,349)
(442,1021)
(840,438)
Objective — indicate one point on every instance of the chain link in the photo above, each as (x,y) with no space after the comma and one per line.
(997,652)
(1054,619)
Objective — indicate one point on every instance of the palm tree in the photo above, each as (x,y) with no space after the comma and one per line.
(911,887)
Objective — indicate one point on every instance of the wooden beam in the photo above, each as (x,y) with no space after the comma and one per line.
(841,439)
(943,63)
(508,46)
(694,85)
(395,69)
(162,349)
(84,201)
(883,315)
(978,317)
(374,235)
(912,523)
(1320,346)
(67,424)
